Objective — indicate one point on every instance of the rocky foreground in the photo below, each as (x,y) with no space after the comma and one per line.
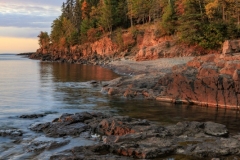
(122,137)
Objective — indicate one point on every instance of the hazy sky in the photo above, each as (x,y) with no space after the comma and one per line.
(22,20)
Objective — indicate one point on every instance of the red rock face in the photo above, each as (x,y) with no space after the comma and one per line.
(215,82)
(230,47)
(210,80)
(168,49)
(144,45)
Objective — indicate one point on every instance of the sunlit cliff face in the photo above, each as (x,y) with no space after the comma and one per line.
(22,20)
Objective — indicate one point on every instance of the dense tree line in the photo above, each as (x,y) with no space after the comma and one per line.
(204,22)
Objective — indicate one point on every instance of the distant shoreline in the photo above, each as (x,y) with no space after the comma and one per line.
(26,53)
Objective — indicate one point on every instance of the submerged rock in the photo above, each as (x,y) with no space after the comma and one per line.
(125,136)
(11,133)
(215,129)
(32,116)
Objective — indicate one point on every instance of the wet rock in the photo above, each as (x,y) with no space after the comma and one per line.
(36,146)
(137,138)
(113,127)
(32,116)
(74,118)
(214,148)
(60,129)
(99,152)
(69,124)
(215,129)
(186,128)
(95,83)
(11,133)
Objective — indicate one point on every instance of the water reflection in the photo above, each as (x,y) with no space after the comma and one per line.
(69,90)
(68,85)
(166,113)
(65,72)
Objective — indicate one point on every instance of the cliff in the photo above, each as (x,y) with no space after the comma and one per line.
(141,43)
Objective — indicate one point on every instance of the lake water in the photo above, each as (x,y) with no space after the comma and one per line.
(30,86)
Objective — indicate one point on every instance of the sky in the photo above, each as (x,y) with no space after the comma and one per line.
(22,20)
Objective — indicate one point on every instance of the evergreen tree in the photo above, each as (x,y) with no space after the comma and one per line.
(191,22)
(169,18)
(77,16)
(122,10)
(108,15)
(57,31)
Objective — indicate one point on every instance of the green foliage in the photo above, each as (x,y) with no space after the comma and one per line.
(122,10)
(118,38)
(108,15)
(233,30)
(85,26)
(213,35)
(169,19)
(202,22)
(142,11)
(190,31)
(56,32)
(44,40)
(194,28)
(73,38)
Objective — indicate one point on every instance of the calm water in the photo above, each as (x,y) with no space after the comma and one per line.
(29,86)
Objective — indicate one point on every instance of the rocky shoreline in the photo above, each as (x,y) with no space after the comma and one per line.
(210,80)
(122,137)
(207,81)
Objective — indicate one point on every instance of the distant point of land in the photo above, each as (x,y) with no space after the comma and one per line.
(26,53)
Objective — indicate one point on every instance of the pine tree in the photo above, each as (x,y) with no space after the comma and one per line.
(169,18)
(56,32)
(190,23)
(108,15)
(122,10)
